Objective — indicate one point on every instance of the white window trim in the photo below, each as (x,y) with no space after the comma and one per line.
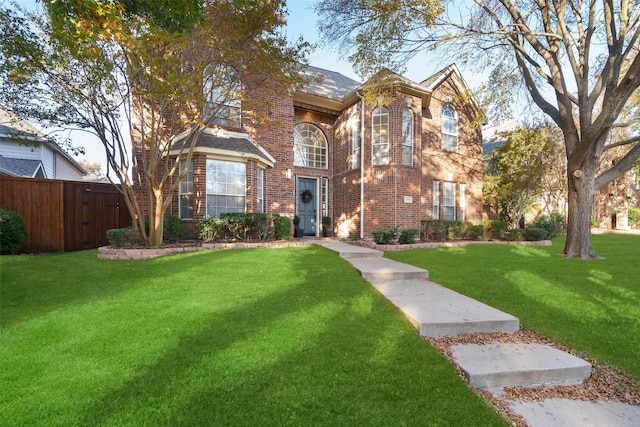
(444,133)
(303,150)
(208,193)
(448,185)
(260,190)
(380,145)
(407,136)
(436,199)
(463,203)
(185,188)
(356,142)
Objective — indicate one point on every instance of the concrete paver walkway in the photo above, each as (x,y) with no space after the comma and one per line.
(436,311)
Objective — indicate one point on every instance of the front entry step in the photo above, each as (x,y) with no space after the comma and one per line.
(438,312)
(497,365)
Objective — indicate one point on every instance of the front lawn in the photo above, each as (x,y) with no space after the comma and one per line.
(236,338)
(592,306)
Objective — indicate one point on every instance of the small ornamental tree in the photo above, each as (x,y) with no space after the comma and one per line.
(135,75)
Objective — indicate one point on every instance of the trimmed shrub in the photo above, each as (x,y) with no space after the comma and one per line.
(243,226)
(515,235)
(552,224)
(470,231)
(210,229)
(533,234)
(433,230)
(494,229)
(13,231)
(120,237)
(282,226)
(408,236)
(174,230)
(385,236)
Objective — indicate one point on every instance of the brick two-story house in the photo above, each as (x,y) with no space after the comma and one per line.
(415,156)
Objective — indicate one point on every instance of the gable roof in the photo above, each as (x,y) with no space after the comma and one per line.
(336,91)
(26,168)
(13,127)
(225,143)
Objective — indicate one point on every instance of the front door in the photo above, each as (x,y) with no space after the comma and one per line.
(307,205)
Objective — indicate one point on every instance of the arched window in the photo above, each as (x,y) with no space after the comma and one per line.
(407,137)
(449,128)
(309,146)
(222,92)
(380,136)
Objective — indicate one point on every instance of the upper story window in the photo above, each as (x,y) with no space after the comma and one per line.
(380,136)
(449,128)
(407,137)
(309,146)
(356,140)
(222,92)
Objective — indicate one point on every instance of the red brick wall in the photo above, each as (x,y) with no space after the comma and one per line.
(395,194)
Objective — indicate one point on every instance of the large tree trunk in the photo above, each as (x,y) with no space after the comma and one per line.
(581,192)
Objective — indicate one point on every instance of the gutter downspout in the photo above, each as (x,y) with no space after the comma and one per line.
(361,166)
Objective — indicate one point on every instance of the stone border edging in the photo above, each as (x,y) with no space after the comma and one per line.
(108,252)
(449,244)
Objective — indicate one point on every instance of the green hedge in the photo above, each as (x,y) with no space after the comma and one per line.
(245,226)
(13,231)
(439,230)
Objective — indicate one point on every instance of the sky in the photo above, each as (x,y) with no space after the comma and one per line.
(302,21)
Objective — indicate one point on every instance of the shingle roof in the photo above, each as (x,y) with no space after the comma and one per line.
(10,124)
(19,167)
(227,141)
(333,85)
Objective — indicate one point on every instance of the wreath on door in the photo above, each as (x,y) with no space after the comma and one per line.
(307,196)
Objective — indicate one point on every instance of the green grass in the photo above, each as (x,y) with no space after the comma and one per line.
(243,338)
(592,306)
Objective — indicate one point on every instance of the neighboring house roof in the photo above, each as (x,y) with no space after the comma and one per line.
(223,142)
(28,168)
(491,135)
(14,128)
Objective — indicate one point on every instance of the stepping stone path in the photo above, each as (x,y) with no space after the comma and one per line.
(436,311)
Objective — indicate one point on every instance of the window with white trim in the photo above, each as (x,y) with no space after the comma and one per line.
(185,200)
(380,136)
(309,146)
(407,137)
(449,123)
(463,203)
(260,188)
(226,187)
(222,91)
(325,196)
(436,199)
(449,201)
(356,133)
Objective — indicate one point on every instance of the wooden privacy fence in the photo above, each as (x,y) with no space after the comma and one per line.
(64,215)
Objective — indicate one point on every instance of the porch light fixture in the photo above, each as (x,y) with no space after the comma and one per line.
(288,173)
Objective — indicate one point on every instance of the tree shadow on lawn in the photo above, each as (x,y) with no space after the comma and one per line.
(77,278)
(327,350)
